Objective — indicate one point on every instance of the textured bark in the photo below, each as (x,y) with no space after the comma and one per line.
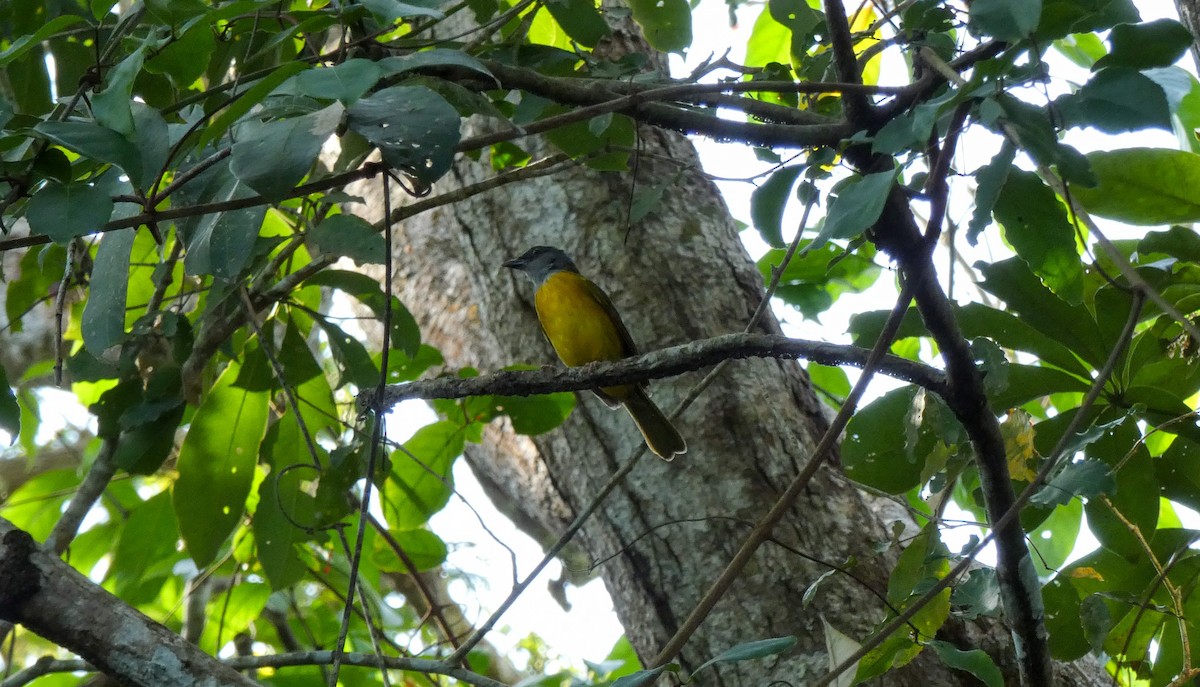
(53,600)
(1189,14)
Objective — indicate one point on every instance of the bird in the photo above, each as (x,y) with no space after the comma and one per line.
(583,326)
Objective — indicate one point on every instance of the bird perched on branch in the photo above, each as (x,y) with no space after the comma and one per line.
(583,326)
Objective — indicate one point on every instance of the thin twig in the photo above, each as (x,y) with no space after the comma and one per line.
(98,477)
(60,304)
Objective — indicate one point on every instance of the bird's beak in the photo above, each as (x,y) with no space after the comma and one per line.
(515,263)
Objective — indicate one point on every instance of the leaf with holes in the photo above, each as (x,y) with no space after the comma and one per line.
(414,128)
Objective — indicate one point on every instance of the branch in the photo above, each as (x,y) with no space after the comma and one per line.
(55,601)
(858,109)
(666,362)
(47,665)
(897,234)
(585,93)
(98,477)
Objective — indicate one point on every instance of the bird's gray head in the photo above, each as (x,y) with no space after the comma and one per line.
(540,262)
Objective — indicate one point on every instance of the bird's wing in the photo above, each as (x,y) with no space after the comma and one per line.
(630,348)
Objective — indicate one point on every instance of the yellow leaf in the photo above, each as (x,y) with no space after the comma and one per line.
(1017,430)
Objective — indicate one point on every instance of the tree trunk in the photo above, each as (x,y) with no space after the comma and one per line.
(1189,14)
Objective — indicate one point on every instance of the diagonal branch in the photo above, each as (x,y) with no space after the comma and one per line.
(57,602)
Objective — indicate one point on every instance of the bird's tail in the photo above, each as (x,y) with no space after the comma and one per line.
(661,436)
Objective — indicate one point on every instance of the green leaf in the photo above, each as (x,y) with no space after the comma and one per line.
(345,82)
(921,563)
(1081,48)
(831,381)
(1144,186)
(858,205)
(302,371)
(768,201)
(104,313)
(1060,17)
(1038,136)
(350,358)
(419,484)
(1158,43)
(1135,496)
(1007,20)
(404,369)
(424,549)
(222,243)
(112,106)
(405,335)
(231,613)
(1096,620)
(152,141)
(640,678)
(888,441)
(1025,383)
(645,200)
(1085,478)
(979,595)
(247,99)
(283,504)
(184,59)
(10,410)
(1036,225)
(95,142)
(750,650)
(437,57)
(770,42)
(801,20)
(414,128)
(580,19)
(534,415)
(1038,307)
(1178,471)
(348,235)
(1054,538)
(23,44)
(273,157)
(976,662)
(175,12)
(577,140)
(392,11)
(1178,242)
(144,446)
(216,465)
(147,540)
(65,212)
(1117,100)
(816,278)
(667,24)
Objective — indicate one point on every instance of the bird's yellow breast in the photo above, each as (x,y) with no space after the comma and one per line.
(580,327)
